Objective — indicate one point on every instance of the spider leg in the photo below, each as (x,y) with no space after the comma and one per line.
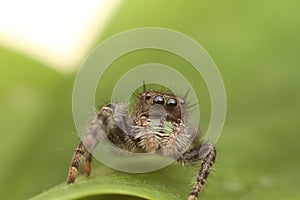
(207,153)
(115,129)
(80,151)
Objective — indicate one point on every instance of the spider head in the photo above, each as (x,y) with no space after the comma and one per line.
(158,104)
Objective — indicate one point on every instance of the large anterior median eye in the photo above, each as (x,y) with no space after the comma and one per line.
(171,103)
(158,100)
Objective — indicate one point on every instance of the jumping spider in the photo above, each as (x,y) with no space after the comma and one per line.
(156,123)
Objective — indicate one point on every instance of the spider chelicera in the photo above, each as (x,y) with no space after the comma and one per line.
(156,123)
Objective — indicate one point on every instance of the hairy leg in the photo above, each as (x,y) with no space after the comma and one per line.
(208,155)
(80,151)
(103,124)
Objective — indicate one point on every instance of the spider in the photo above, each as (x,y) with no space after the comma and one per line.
(156,122)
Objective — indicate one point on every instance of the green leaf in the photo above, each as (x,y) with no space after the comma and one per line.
(109,184)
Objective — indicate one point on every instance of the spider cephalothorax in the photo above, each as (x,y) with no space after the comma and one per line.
(157,123)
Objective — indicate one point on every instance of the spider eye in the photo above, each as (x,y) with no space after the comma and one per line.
(148,96)
(158,100)
(171,103)
(182,102)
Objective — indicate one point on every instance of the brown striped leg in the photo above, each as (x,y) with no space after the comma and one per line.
(102,124)
(80,151)
(85,148)
(203,173)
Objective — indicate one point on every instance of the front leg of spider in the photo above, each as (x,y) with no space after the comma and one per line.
(79,153)
(85,149)
(207,153)
(102,124)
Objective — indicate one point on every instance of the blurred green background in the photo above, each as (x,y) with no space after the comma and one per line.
(255,44)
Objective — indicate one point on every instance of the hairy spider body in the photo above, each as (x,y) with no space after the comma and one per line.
(157,123)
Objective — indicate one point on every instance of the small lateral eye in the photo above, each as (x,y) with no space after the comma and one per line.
(182,102)
(158,100)
(171,103)
(148,96)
